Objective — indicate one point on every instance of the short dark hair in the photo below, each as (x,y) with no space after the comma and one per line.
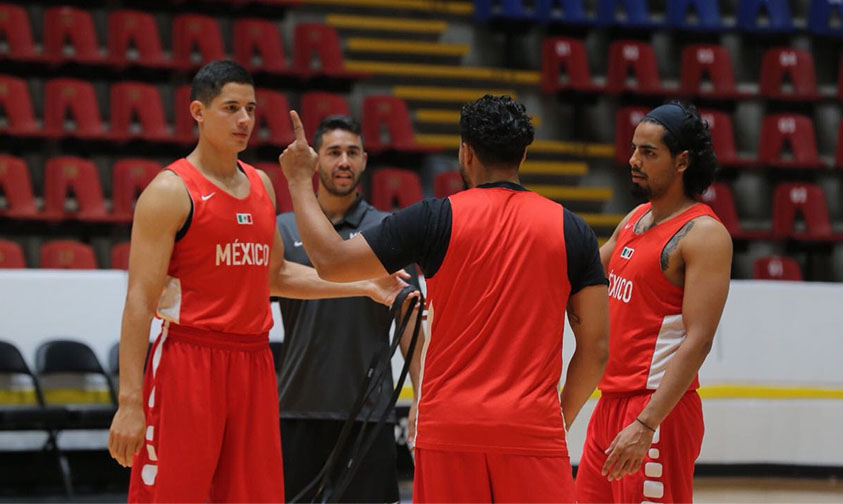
(497,128)
(336,122)
(209,80)
(702,160)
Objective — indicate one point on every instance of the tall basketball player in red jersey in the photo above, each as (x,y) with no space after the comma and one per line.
(668,263)
(502,264)
(202,425)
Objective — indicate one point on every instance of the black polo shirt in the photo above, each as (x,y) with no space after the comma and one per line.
(329,343)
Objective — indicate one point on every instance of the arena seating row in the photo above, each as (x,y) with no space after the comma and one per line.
(786,140)
(706,71)
(390,187)
(753,16)
(137,111)
(789,199)
(133,39)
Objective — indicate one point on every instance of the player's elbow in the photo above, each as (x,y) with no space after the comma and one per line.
(328,269)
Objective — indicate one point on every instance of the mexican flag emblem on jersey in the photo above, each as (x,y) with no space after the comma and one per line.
(244,218)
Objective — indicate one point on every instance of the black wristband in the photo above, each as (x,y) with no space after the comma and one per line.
(645,425)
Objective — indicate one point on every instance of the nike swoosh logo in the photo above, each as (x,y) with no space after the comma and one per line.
(297,244)
(208,196)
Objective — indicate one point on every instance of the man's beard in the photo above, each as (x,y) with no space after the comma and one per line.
(328,184)
(640,192)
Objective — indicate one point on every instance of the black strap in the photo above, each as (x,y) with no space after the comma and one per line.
(330,487)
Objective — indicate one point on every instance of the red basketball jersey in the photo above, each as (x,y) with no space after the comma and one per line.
(218,278)
(645,308)
(493,355)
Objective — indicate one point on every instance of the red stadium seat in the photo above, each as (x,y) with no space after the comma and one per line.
(136,99)
(322,40)
(395,186)
(776,268)
(11,255)
(77,96)
(201,32)
(723,138)
(77,25)
(317,105)
(711,61)
(565,65)
(809,200)
(447,183)
(797,131)
(138,30)
(16,30)
(129,178)
(17,187)
(635,56)
(16,105)
(283,203)
(67,254)
(261,38)
(272,120)
(626,119)
(795,64)
(381,111)
(120,256)
(186,130)
(64,173)
(719,197)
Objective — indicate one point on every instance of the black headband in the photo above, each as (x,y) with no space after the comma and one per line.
(673,117)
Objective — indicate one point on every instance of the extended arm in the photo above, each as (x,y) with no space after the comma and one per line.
(588,314)
(161,210)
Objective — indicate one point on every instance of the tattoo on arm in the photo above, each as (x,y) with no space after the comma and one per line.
(673,243)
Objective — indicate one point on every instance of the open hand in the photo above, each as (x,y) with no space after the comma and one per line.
(384,290)
(298,161)
(627,451)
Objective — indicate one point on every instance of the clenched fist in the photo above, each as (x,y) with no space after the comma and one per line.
(298,161)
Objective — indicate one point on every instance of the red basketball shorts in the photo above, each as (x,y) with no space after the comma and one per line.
(212,430)
(491,477)
(667,473)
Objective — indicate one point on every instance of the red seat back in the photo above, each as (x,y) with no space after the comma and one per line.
(719,197)
(640,58)
(722,134)
(796,64)
(16,29)
(713,61)
(809,200)
(11,255)
(15,102)
(17,186)
(626,119)
(272,120)
(776,268)
(78,97)
(261,37)
(447,183)
(64,173)
(67,254)
(322,40)
(76,25)
(120,256)
(317,105)
(564,65)
(186,130)
(395,186)
(136,99)
(196,31)
(132,28)
(797,130)
(129,178)
(391,112)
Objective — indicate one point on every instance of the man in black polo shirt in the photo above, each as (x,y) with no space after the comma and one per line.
(329,343)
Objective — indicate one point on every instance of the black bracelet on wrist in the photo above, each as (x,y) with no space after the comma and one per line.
(645,425)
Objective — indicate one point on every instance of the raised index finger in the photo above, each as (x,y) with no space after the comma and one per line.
(298,128)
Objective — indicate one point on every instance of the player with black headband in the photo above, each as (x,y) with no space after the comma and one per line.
(668,264)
